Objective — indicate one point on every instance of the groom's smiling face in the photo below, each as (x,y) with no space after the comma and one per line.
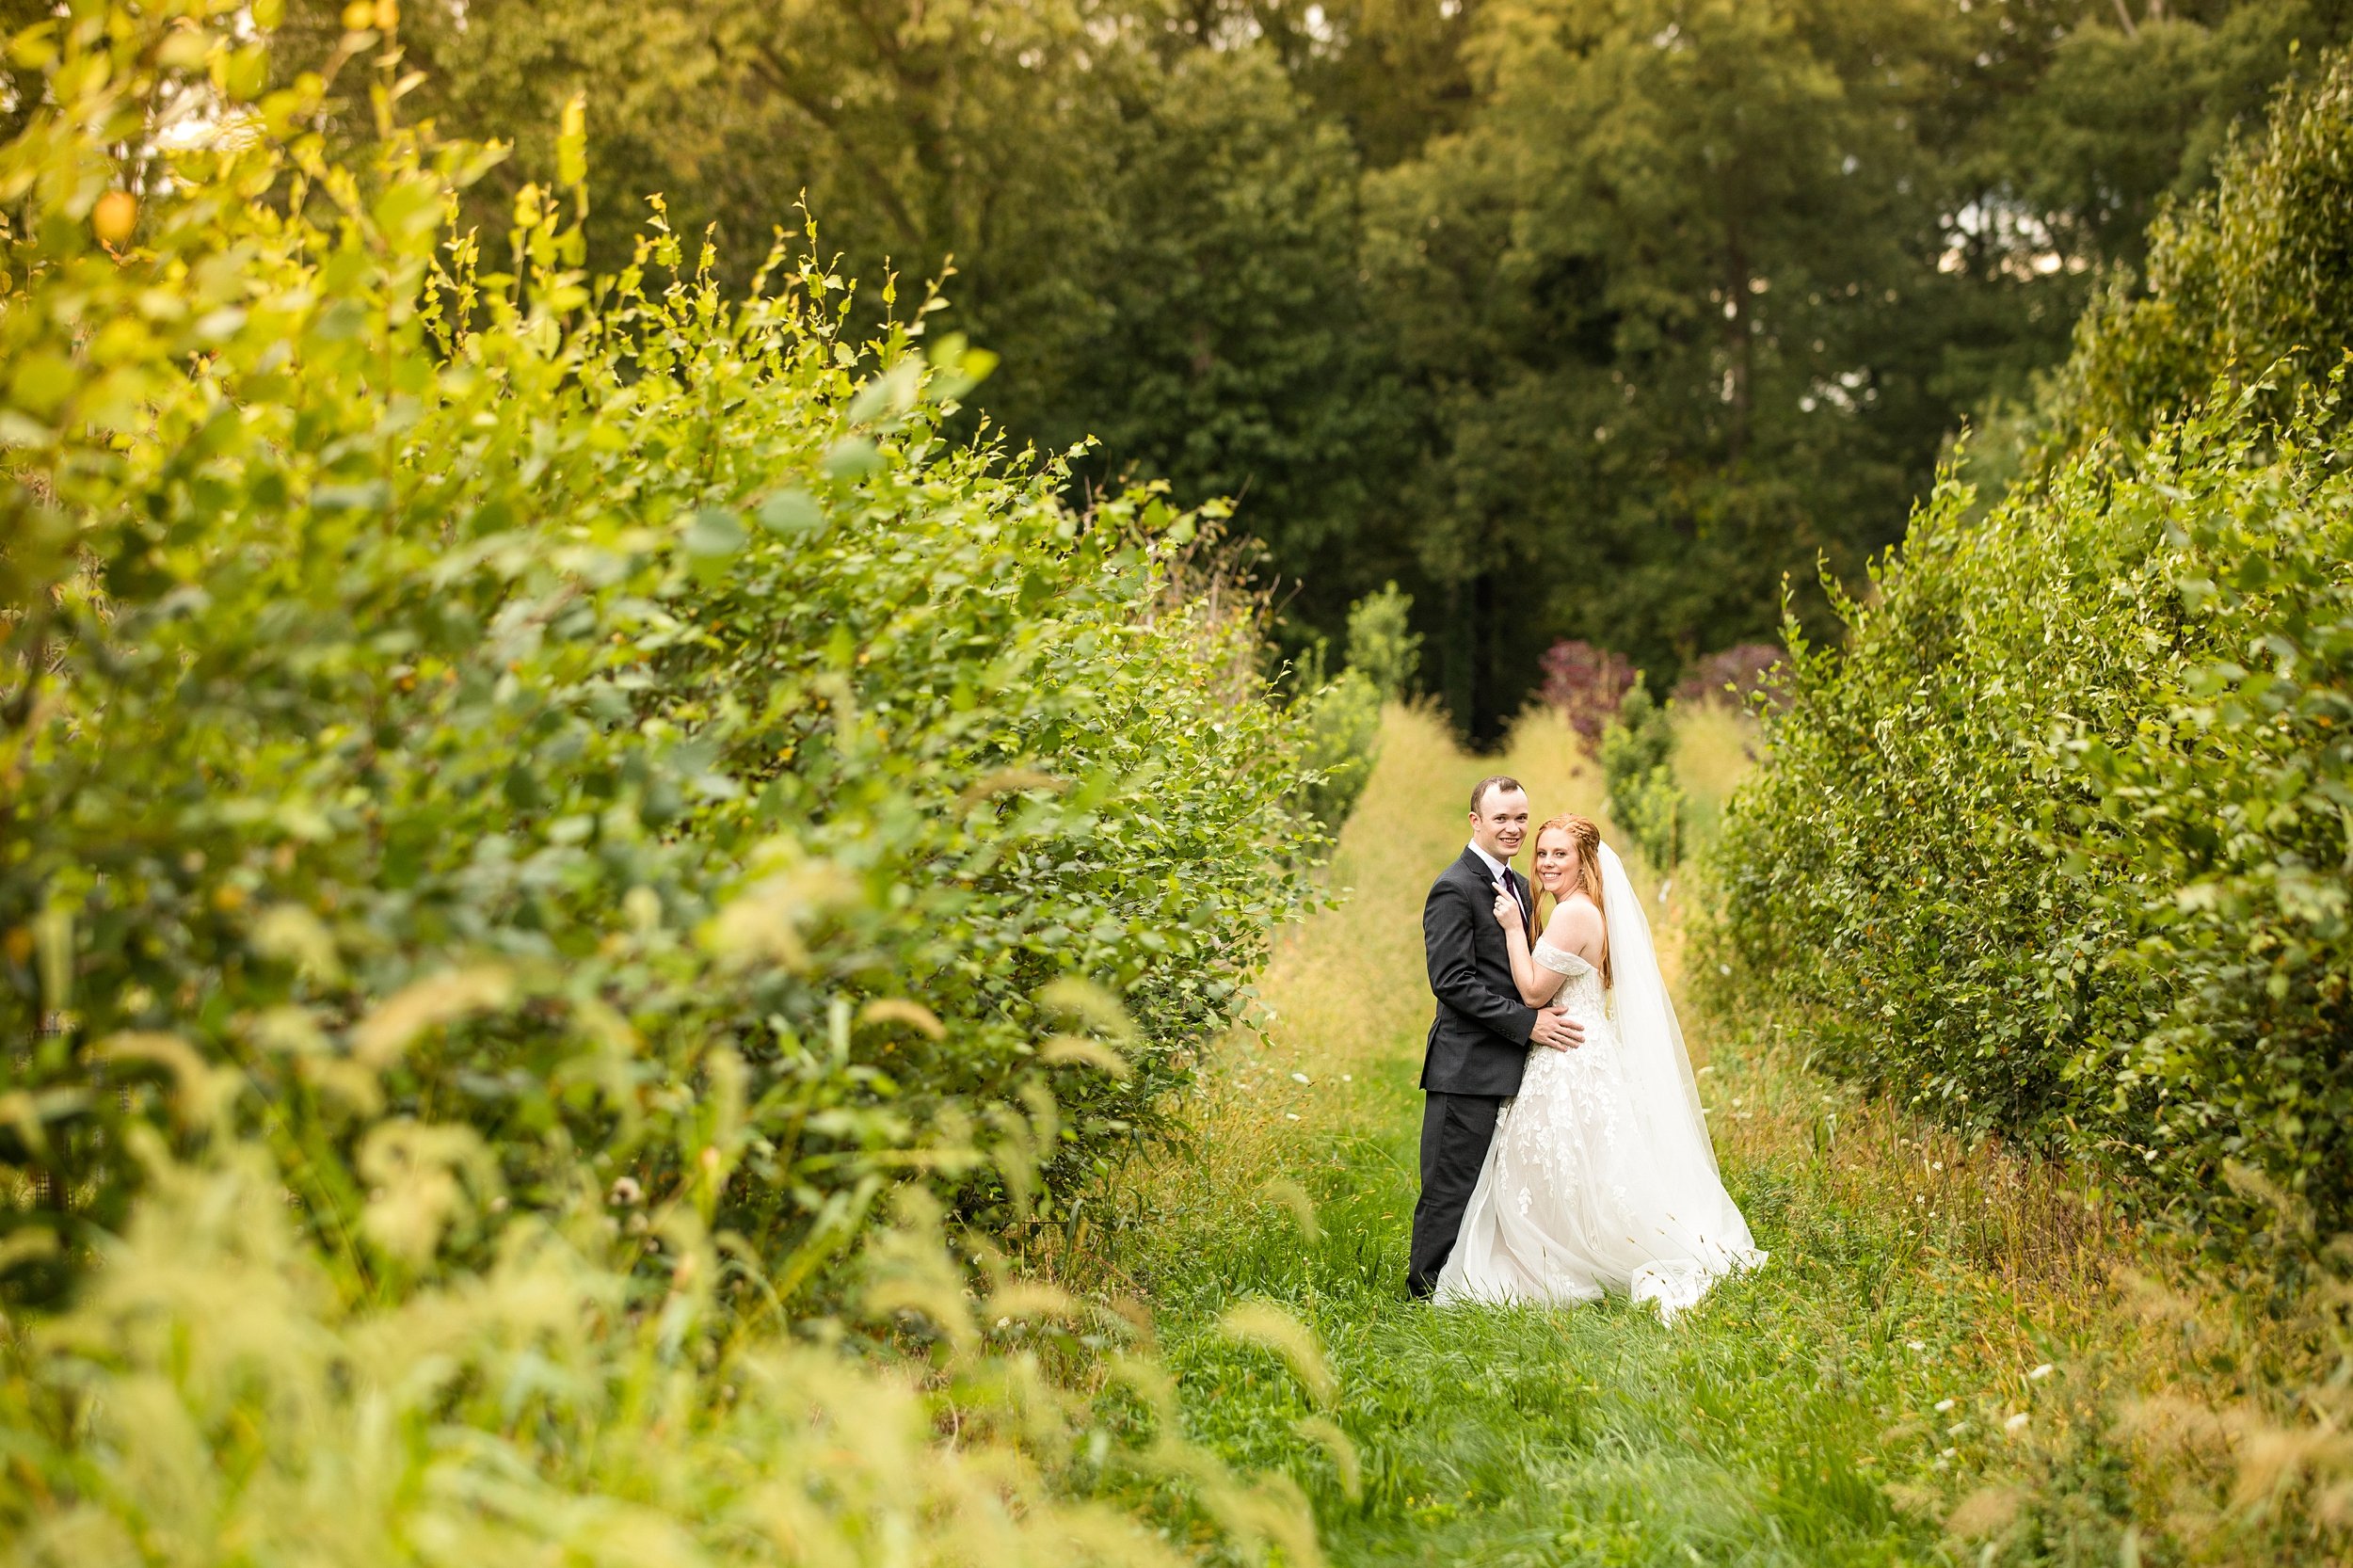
(1501,823)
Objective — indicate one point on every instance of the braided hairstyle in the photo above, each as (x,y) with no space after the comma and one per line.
(1587,837)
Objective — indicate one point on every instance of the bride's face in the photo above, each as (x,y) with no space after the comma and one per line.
(1556,862)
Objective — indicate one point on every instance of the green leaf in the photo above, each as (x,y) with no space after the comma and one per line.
(715,533)
(792,510)
(369,496)
(571,142)
(892,393)
(852,458)
(43,380)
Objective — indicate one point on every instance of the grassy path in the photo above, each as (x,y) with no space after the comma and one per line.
(1870,1397)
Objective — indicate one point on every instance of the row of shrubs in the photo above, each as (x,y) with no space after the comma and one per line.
(2054,840)
(532,808)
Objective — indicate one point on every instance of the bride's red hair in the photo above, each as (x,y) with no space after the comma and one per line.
(1587,837)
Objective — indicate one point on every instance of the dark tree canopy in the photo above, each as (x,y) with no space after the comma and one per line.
(1578,318)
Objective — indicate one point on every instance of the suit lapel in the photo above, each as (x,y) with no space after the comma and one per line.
(1518,884)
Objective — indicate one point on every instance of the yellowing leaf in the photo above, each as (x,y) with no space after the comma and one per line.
(571,143)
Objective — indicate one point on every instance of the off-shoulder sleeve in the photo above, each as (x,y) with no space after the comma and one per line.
(1558,960)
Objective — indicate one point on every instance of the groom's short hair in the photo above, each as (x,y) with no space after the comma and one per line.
(1492,781)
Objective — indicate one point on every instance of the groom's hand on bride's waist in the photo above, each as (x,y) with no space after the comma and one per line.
(1555,1028)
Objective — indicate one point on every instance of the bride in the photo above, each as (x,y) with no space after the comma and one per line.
(1601,1176)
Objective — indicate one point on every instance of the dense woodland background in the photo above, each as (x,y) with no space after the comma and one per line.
(1578,318)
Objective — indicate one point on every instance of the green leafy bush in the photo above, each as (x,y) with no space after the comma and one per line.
(529,806)
(1381,644)
(2056,843)
(2217,837)
(2254,270)
(588,711)
(1637,749)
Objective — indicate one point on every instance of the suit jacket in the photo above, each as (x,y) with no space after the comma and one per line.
(1479,1040)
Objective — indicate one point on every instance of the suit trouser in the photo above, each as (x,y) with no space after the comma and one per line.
(1455,1132)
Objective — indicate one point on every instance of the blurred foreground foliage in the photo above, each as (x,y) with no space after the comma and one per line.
(531,806)
(216,1395)
(2057,841)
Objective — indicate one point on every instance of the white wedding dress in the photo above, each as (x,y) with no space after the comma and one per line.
(1602,1178)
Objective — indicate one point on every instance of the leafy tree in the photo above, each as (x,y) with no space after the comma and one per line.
(2127,113)
(982,131)
(1663,308)
(2246,276)
(1582,318)
(1391,72)
(1586,684)
(1228,348)
(1150,223)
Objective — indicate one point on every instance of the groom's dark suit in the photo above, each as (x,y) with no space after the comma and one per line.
(1478,1048)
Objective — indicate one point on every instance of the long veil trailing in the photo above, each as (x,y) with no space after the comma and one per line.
(1701,1234)
(1667,1094)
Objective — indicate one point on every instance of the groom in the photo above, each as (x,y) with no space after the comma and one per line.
(1479,1041)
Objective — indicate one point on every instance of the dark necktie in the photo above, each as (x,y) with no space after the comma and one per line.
(1527,916)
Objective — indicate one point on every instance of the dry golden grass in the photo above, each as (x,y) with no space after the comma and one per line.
(1715,748)
(1346,987)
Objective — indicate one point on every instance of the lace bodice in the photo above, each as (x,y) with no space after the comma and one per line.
(1581,993)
